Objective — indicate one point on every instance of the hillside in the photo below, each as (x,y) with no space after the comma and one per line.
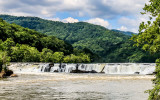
(124,32)
(25,45)
(108,44)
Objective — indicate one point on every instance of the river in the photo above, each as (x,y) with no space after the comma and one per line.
(67,86)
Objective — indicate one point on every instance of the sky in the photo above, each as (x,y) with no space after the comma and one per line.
(123,15)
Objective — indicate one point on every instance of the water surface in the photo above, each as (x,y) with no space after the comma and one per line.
(55,86)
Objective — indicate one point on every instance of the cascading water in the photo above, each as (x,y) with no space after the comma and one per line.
(108,68)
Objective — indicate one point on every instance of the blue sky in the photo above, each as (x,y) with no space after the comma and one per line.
(113,14)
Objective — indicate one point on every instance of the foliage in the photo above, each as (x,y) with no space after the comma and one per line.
(26,36)
(58,57)
(4,59)
(149,39)
(46,55)
(6,46)
(26,45)
(99,43)
(73,58)
(24,53)
(127,53)
(102,45)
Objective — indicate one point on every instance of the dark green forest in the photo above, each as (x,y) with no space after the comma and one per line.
(19,44)
(108,45)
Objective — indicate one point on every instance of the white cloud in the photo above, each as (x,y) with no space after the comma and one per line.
(98,21)
(114,8)
(128,21)
(123,28)
(70,20)
(55,19)
(91,8)
(66,20)
(121,6)
(98,10)
(132,24)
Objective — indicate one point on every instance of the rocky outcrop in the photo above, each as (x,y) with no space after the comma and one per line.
(13,75)
(2,74)
(7,73)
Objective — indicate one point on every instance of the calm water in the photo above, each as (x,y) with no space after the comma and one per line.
(45,86)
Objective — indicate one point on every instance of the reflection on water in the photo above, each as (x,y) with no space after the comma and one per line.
(52,86)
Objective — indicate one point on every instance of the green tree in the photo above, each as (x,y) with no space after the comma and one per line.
(1,46)
(4,59)
(47,55)
(149,39)
(58,57)
(25,53)
(77,58)
(6,45)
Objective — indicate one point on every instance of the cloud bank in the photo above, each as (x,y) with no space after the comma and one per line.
(124,12)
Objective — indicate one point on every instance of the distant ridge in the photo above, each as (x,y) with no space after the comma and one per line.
(124,32)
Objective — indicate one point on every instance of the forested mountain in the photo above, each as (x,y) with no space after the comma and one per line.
(124,32)
(21,44)
(110,45)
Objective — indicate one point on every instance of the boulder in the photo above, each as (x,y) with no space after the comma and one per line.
(13,75)
(2,74)
(9,72)
(136,72)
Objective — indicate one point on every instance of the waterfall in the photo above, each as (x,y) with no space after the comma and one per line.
(55,68)
(147,68)
(107,68)
(129,68)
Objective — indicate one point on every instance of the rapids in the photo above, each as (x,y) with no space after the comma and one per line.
(107,68)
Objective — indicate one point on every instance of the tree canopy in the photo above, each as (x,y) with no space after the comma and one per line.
(149,39)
